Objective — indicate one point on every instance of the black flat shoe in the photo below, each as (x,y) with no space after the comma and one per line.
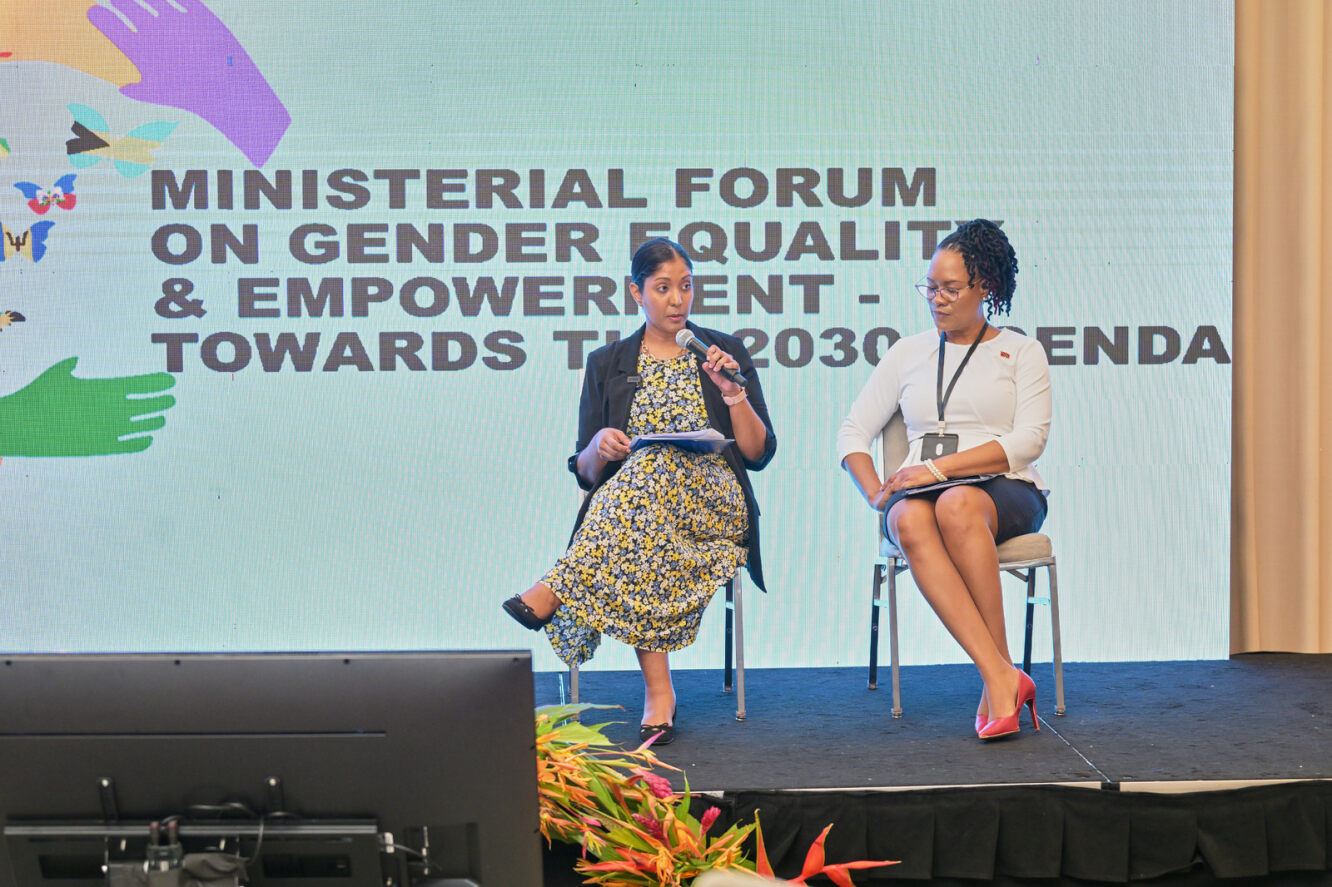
(667,731)
(525,615)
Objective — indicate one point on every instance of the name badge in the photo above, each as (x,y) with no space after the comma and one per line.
(934,445)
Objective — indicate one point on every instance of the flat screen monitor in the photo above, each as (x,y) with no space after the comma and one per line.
(324,769)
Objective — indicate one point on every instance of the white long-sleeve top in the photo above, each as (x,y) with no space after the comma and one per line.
(1002,395)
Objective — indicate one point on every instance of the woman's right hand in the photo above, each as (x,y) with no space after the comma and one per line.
(611,444)
(878,500)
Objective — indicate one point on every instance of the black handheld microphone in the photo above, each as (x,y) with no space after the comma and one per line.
(685,339)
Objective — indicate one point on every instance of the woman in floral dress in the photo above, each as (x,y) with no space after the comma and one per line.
(662,526)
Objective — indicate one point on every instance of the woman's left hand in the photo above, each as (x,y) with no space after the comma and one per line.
(911,476)
(717,360)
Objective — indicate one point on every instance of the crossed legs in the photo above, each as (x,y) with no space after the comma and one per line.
(949,544)
(658,691)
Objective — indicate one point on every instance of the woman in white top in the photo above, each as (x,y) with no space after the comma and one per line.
(980,408)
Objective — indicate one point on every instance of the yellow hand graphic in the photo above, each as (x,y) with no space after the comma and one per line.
(59,31)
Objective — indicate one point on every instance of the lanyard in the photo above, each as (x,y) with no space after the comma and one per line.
(941,396)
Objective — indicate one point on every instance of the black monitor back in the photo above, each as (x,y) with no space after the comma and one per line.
(441,740)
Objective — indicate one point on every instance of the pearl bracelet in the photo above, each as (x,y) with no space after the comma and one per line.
(735,398)
(934,470)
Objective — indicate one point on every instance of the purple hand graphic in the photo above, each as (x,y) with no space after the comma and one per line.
(190,60)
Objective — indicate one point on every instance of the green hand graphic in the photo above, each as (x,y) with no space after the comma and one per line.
(59,415)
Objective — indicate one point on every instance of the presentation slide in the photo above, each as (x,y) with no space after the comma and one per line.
(296,297)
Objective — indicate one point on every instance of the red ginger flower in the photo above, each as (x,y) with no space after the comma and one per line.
(653,827)
(656,784)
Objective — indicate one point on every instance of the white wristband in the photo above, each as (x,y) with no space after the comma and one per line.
(735,398)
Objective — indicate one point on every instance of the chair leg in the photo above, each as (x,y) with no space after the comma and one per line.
(891,569)
(874,628)
(740,712)
(1030,576)
(1054,635)
(729,631)
(573,684)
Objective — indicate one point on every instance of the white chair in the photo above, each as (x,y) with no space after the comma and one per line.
(1020,556)
(735,644)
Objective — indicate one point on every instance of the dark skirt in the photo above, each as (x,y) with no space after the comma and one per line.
(1020,506)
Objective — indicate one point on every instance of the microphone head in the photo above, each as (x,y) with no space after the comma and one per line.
(683,338)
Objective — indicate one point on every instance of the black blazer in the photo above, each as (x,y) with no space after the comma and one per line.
(608,393)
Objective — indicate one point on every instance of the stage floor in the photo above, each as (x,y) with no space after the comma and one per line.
(1188,745)
(1255,717)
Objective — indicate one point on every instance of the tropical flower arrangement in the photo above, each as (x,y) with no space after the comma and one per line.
(634,830)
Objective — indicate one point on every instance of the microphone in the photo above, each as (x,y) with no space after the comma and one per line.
(685,339)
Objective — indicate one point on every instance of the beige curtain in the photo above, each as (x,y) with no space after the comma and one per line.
(1281,542)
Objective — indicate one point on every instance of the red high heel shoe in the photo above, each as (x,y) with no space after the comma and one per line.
(1026,695)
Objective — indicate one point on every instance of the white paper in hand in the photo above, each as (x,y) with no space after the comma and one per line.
(709,440)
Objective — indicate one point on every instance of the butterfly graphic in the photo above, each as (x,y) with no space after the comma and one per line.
(31,244)
(40,199)
(131,154)
(8,317)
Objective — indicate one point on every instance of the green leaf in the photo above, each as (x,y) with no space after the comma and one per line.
(574,733)
(559,713)
(626,838)
(604,796)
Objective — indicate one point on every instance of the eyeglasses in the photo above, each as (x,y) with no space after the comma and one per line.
(931,290)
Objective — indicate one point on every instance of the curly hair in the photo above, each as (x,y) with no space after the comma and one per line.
(990,260)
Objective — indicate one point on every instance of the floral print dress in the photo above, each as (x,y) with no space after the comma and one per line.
(658,537)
